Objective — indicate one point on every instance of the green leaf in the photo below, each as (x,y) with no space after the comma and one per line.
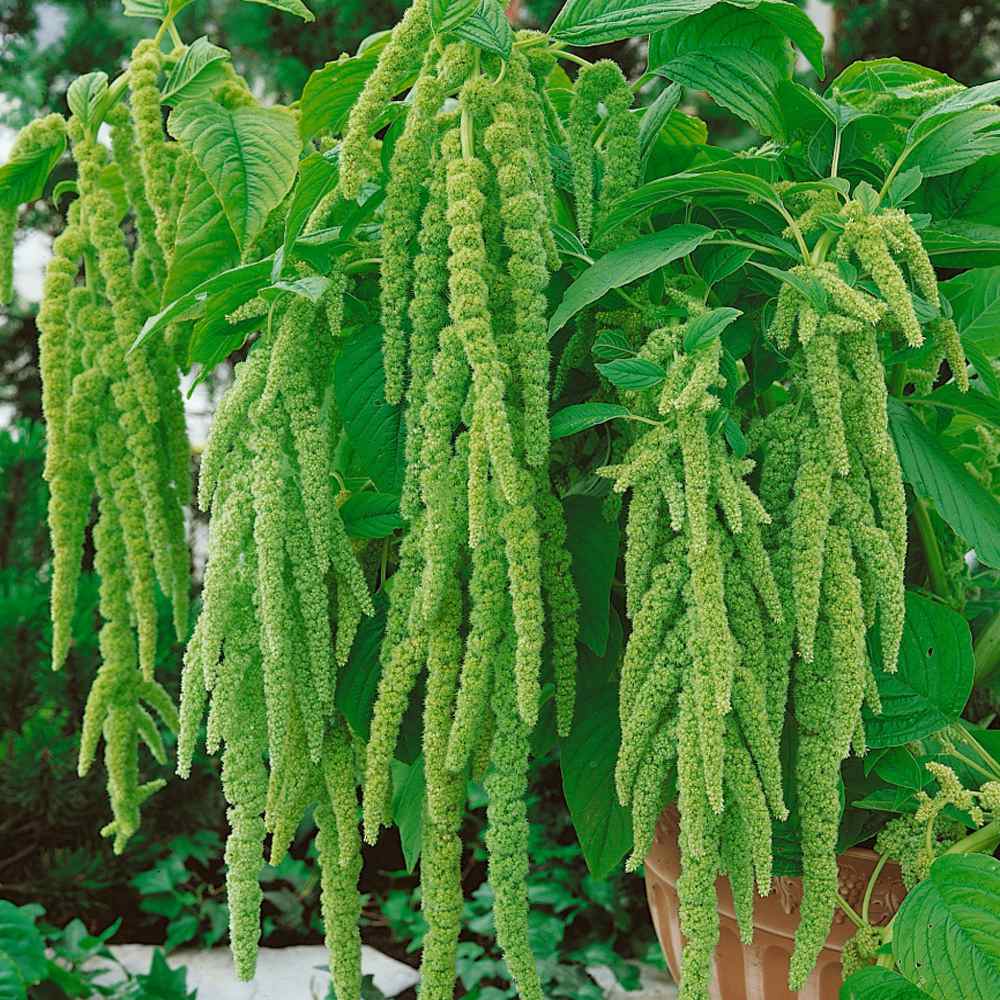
(935,474)
(739,56)
(145,8)
(488,28)
(610,345)
(587,759)
(196,72)
(447,15)
(806,285)
(974,402)
(880,76)
(220,295)
(310,286)
(249,155)
(626,264)
(946,936)
(23,178)
(734,436)
(703,329)
(318,176)
(957,104)
(595,22)
(877,983)
(295,7)
(374,427)
(205,243)
(581,416)
(892,800)
(371,515)
(408,807)
(632,373)
(933,679)
(965,206)
(685,186)
(975,300)
(12,984)
(84,94)
(715,264)
(592,542)
(957,143)
(656,116)
(357,682)
(899,767)
(330,92)
(162,982)
(21,942)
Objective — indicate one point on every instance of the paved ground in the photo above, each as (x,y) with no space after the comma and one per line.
(300,974)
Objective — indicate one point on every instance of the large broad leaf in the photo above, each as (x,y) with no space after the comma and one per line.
(488,28)
(935,474)
(632,373)
(627,264)
(594,22)
(374,427)
(876,983)
(975,301)
(973,403)
(296,7)
(957,143)
(22,178)
(592,541)
(951,107)
(85,93)
(933,679)
(357,681)
(197,71)
(879,76)
(448,14)
(738,56)
(581,416)
(587,759)
(665,190)
(371,515)
(946,936)
(205,242)
(20,941)
(221,294)
(318,176)
(408,807)
(249,155)
(965,206)
(656,116)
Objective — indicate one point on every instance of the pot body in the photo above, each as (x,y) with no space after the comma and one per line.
(759,971)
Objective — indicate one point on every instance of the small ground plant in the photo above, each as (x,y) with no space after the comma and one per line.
(557,426)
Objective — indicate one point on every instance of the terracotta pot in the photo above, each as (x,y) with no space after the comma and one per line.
(760,971)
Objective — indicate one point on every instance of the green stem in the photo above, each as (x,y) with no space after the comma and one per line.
(850,912)
(982,841)
(571,57)
(987,650)
(870,888)
(175,36)
(835,163)
(896,167)
(794,227)
(932,550)
(822,247)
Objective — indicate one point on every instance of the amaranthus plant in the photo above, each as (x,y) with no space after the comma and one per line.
(552,423)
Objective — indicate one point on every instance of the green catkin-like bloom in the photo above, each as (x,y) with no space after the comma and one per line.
(148,264)
(440,866)
(734,848)
(404,190)
(945,333)
(359,151)
(45,133)
(827,699)
(810,519)
(487,618)
(101,220)
(507,833)
(244,780)
(147,61)
(693,438)
(230,420)
(341,903)
(654,700)
(824,386)
(864,236)
(525,217)
(650,793)
(904,240)
(561,603)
